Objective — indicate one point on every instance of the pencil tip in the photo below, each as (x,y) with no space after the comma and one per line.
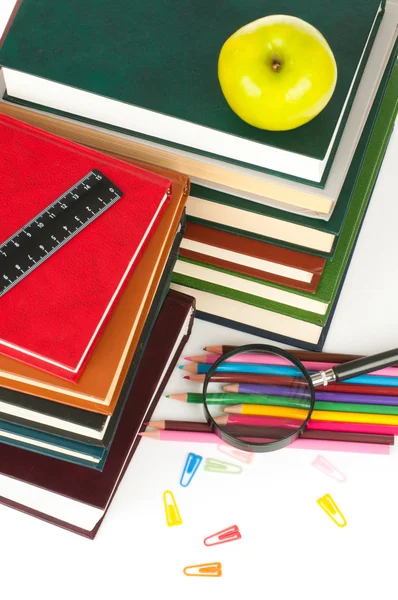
(181,366)
(237,410)
(187,377)
(150,434)
(180,397)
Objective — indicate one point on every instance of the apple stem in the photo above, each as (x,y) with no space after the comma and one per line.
(276,65)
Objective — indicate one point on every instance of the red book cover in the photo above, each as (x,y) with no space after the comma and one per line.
(52,318)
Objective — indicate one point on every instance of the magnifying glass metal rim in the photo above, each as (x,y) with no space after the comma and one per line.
(256,446)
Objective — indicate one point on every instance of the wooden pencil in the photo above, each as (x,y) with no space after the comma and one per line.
(255,378)
(273,432)
(300,354)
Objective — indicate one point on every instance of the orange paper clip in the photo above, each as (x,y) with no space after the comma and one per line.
(326,467)
(204,570)
(230,534)
(245,457)
(332,510)
(173,517)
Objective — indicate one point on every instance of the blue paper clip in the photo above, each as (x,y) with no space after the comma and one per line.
(191,466)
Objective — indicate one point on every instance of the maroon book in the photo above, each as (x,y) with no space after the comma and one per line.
(235,253)
(77,498)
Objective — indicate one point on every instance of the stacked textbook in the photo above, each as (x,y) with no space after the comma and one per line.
(90,329)
(273,217)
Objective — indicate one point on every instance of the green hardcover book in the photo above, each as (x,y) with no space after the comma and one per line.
(242,217)
(282,320)
(151,68)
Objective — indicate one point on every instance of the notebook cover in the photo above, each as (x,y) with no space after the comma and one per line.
(100,384)
(93,487)
(336,222)
(38,31)
(105,442)
(71,296)
(334,269)
(255,249)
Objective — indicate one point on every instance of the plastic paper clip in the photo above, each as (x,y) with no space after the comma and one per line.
(326,467)
(332,510)
(230,534)
(191,466)
(172,513)
(219,466)
(241,455)
(204,570)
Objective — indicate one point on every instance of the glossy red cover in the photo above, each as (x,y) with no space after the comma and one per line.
(95,487)
(52,319)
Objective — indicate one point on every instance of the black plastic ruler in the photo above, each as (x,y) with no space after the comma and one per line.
(54,227)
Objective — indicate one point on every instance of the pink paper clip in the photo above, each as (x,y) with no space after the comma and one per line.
(326,467)
(230,534)
(241,455)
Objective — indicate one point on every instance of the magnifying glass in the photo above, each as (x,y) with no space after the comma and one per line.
(259,398)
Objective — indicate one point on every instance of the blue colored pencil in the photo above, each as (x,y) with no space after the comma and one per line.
(284,371)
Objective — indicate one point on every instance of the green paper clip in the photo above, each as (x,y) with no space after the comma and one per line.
(219,466)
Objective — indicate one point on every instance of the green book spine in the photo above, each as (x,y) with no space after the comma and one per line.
(334,270)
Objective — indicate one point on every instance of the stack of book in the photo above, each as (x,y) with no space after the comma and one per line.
(273,217)
(89,329)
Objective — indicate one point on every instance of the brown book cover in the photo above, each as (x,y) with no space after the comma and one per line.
(275,255)
(99,386)
(95,488)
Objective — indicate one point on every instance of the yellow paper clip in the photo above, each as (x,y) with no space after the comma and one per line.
(173,517)
(332,510)
(204,570)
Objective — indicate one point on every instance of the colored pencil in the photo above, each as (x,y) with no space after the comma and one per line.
(243,399)
(318,415)
(365,428)
(181,426)
(284,371)
(275,380)
(259,421)
(250,388)
(285,401)
(300,354)
(372,428)
(318,445)
(273,359)
(375,428)
(240,430)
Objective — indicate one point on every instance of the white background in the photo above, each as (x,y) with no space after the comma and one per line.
(288,546)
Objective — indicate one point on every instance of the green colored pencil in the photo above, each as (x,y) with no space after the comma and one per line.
(243,399)
(231,399)
(374,409)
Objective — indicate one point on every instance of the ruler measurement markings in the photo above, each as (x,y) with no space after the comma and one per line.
(56,224)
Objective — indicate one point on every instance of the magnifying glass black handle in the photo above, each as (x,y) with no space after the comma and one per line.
(360,366)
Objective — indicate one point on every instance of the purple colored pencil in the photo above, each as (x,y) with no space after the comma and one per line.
(251,388)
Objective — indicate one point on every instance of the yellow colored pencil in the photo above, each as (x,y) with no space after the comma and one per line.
(269,411)
(317,415)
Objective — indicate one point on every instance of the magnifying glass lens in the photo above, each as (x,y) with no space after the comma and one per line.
(258,400)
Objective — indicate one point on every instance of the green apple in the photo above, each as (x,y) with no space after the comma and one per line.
(277,73)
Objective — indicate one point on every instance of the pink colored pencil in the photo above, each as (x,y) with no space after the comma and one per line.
(318,445)
(353,427)
(269,359)
(255,420)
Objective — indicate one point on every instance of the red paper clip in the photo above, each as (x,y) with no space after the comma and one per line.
(230,534)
